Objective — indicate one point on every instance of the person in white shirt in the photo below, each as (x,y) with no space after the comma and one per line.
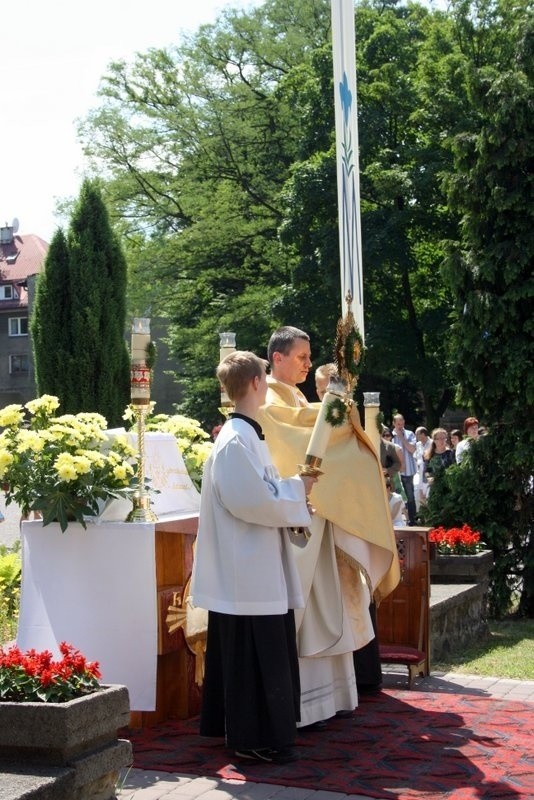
(470,434)
(407,441)
(245,574)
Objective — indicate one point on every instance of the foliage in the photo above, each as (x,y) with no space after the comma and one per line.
(456,541)
(190,437)
(484,492)
(79,315)
(489,272)
(35,677)
(62,465)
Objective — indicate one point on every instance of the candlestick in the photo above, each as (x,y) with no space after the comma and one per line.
(226,346)
(140,398)
(371,403)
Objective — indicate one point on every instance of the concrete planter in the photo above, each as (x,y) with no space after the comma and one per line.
(79,736)
(461,569)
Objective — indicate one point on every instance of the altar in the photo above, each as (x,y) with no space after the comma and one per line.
(110,590)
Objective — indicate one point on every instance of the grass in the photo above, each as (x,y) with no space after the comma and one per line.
(507,652)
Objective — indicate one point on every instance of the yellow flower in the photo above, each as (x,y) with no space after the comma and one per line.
(122,471)
(65,467)
(6,459)
(11,416)
(29,440)
(82,464)
(47,404)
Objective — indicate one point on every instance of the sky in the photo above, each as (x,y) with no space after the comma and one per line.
(54,54)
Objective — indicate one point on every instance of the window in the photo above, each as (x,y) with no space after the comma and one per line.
(19,365)
(7,292)
(18,326)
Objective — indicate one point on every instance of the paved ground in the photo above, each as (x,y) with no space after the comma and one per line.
(151,785)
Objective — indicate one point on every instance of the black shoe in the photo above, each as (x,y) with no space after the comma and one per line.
(369,688)
(344,714)
(269,755)
(320,725)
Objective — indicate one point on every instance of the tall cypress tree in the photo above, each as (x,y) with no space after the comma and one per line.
(50,322)
(79,318)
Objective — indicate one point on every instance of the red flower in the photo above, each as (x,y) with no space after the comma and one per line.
(456,541)
(34,676)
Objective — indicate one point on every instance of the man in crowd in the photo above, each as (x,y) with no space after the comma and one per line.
(407,441)
(351,557)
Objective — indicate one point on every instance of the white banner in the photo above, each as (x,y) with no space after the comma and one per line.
(348,172)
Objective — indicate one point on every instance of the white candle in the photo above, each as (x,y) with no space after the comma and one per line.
(321,430)
(139,372)
(226,344)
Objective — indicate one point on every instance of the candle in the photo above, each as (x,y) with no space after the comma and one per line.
(371,402)
(139,371)
(226,344)
(321,430)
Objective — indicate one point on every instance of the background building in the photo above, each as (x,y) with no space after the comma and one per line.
(21,259)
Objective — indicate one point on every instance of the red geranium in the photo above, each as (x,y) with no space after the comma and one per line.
(456,541)
(36,677)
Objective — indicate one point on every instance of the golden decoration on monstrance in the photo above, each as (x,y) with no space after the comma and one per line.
(348,348)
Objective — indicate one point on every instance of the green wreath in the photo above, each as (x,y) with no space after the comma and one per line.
(335,412)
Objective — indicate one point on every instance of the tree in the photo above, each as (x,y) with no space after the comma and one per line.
(489,270)
(50,322)
(79,317)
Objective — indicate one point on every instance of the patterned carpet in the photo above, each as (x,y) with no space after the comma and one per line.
(399,745)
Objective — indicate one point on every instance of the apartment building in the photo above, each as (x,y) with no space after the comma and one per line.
(21,259)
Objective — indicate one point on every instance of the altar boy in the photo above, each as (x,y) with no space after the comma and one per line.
(245,575)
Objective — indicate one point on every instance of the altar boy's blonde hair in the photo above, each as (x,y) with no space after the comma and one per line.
(237,370)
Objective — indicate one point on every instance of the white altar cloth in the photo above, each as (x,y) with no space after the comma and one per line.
(165,468)
(96,590)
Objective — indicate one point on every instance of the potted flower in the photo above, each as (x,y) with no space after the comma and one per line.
(62,466)
(55,713)
(462,556)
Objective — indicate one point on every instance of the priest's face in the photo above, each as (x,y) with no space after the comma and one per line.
(293,368)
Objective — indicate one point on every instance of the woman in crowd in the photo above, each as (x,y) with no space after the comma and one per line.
(439,456)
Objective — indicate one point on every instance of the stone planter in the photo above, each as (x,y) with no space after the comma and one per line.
(461,569)
(80,736)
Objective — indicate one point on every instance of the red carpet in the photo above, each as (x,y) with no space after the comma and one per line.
(400,745)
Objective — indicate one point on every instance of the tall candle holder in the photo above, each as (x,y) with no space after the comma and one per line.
(371,403)
(140,399)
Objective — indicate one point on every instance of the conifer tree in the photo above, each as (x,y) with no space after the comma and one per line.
(79,319)
(50,321)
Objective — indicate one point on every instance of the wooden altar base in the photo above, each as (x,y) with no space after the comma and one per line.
(177,694)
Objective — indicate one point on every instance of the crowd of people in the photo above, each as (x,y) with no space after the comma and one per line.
(411,461)
(290,565)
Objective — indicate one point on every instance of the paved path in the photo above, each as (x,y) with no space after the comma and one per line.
(151,785)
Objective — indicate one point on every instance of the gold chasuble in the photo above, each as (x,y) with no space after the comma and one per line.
(351,493)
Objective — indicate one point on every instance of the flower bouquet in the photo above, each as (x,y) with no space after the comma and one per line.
(61,466)
(456,541)
(36,677)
